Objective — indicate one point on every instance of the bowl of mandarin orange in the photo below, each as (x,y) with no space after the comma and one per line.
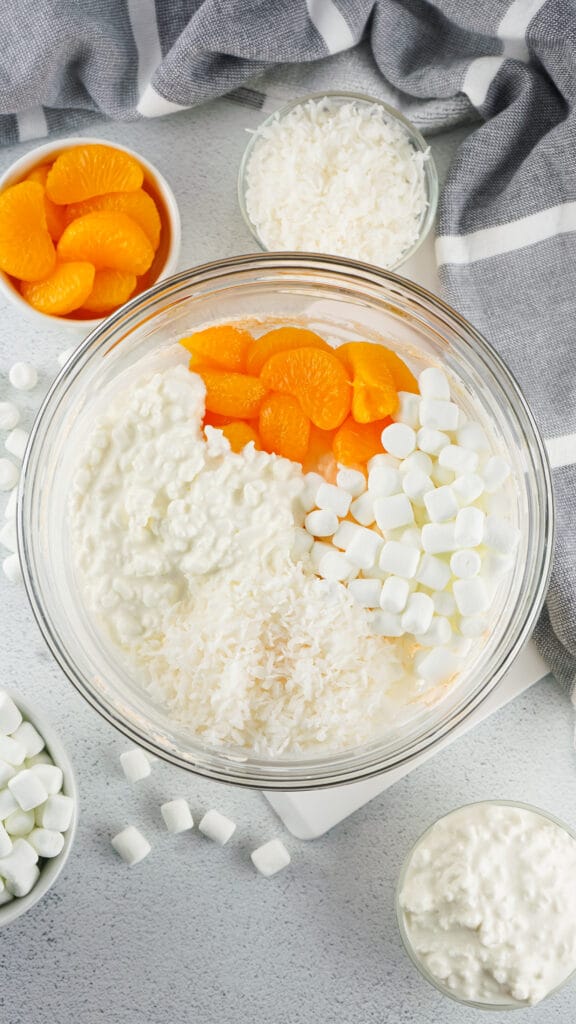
(84,226)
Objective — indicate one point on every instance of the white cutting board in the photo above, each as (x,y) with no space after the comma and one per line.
(310,813)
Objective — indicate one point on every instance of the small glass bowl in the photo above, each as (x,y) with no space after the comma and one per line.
(404,935)
(416,140)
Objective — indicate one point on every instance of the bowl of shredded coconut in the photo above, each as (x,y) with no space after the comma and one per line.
(339,173)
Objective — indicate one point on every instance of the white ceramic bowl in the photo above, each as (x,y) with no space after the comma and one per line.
(49,868)
(165,260)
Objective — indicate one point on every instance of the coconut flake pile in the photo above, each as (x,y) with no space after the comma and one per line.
(338,179)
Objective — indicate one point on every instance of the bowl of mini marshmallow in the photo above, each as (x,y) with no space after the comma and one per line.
(38,807)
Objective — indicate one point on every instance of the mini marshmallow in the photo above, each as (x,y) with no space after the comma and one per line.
(431,441)
(28,790)
(16,442)
(433,572)
(135,764)
(366,593)
(11,505)
(5,896)
(418,614)
(51,775)
(22,879)
(46,842)
(7,772)
(471,596)
(364,548)
(20,823)
(471,435)
(131,845)
(408,410)
(399,439)
(495,564)
(9,475)
(444,603)
(307,496)
(321,522)
(333,499)
(459,460)
(345,534)
(501,535)
(177,816)
(383,459)
(56,813)
(217,827)
(23,376)
(319,550)
(399,559)
(63,356)
(433,383)
(438,538)
(42,758)
(393,512)
(412,537)
(418,460)
(469,527)
(386,624)
(351,480)
(301,543)
(465,563)
(12,568)
(23,855)
(441,505)
(8,537)
(383,481)
(467,488)
(270,858)
(437,665)
(416,484)
(335,567)
(7,804)
(9,415)
(438,415)
(12,751)
(395,591)
(473,625)
(438,634)
(10,717)
(362,509)
(441,476)
(494,473)
(29,738)
(5,842)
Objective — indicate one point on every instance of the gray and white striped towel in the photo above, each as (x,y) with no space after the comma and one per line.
(507,219)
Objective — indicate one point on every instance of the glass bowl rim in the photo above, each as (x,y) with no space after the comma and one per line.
(392,114)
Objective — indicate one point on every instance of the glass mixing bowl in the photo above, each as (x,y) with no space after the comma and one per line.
(345,301)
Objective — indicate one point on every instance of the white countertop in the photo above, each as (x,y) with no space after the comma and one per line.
(192,933)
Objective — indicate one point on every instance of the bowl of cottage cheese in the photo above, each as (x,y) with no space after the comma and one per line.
(250,615)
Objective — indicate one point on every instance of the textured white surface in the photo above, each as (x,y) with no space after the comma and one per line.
(193,933)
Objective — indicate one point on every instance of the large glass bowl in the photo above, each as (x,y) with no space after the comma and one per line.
(345,301)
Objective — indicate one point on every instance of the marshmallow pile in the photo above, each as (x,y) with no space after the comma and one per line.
(133,847)
(423,541)
(34,813)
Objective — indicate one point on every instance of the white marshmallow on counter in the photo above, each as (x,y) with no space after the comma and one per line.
(16,442)
(9,475)
(321,522)
(399,440)
(307,496)
(51,775)
(438,634)
(366,593)
(383,481)
(47,842)
(363,549)
(302,543)
(63,356)
(441,505)
(458,460)
(11,505)
(408,410)
(393,512)
(10,717)
(501,535)
(431,441)
(8,535)
(395,591)
(12,751)
(131,845)
(7,772)
(399,559)
(333,499)
(386,624)
(438,538)
(23,376)
(471,435)
(382,459)
(444,603)
(5,842)
(29,738)
(177,816)
(335,567)
(28,790)
(56,813)
(12,568)
(468,488)
(469,528)
(418,460)
(20,823)
(135,764)
(418,614)
(465,564)
(471,596)
(362,509)
(494,473)
(433,572)
(438,414)
(437,665)
(9,415)
(217,827)
(416,485)
(351,480)
(270,858)
(473,625)
(345,534)
(7,804)
(433,383)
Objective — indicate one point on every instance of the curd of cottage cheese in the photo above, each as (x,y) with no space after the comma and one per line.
(488,904)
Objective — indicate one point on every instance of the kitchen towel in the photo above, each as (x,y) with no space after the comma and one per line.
(506,235)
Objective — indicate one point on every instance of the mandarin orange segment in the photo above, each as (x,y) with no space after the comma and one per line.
(55,215)
(282,339)
(404,379)
(108,240)
(284,427)
(213,419)
(233,394)
(64,290)
(316,378)
(138,205)
(26,249)
(355,443)
(111,288)
(374,393)
(224,346)
(240,434)
(92,170)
